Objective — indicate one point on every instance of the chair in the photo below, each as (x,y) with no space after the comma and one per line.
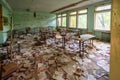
(58,36)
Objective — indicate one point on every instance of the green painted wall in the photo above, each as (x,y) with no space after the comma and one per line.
(90,18)
(6,13)
(91,23)
(100,35)
(26,19)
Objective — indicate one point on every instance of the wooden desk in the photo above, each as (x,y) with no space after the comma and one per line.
(82,39)
(86,37)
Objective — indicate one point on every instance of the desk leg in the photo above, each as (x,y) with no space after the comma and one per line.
(63,41)
(8,50)
(19,47)
(80,48)
(83,49)
(92,42)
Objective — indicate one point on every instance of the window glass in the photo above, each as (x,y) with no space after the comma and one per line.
(72,21)
(73,13)
(82,11)
(59,15)
(103,18)
(59,21)
(63,14)
(82,21)
(102,21)
(105,7)
(63,21)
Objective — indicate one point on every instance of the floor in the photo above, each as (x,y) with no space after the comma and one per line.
(51,61)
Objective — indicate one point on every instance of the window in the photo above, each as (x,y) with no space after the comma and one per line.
(82,19)
(61,20)
(72,22)
(103,17)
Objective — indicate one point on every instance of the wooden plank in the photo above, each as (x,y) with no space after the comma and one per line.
(115,41)
(1,23)
(9,68)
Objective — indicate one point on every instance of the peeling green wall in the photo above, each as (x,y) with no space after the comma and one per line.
(26,19)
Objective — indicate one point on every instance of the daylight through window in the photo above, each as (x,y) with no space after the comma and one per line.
(82,19)
(103,17)
(72,20)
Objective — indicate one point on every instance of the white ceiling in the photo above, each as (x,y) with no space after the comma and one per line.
(45,5)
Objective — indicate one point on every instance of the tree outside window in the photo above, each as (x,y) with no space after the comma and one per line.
(103,18)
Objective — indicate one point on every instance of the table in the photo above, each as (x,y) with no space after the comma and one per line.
(82,39)
(86,37)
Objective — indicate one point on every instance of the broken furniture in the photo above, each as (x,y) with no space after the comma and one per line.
(82,39)
(77,73)
(87,37)
(8,69)
(49,61)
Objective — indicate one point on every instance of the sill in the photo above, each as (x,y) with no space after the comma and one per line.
(61,26)
(104,31)
(72,27)
(82,28)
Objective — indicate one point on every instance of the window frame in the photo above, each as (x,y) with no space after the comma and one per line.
(63,16)
(71,15)
(60,20)
(79,14)
(100,11)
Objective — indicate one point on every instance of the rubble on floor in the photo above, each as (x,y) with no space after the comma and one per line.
(51,62)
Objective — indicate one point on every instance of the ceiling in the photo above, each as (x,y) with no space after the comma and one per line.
(47,5)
